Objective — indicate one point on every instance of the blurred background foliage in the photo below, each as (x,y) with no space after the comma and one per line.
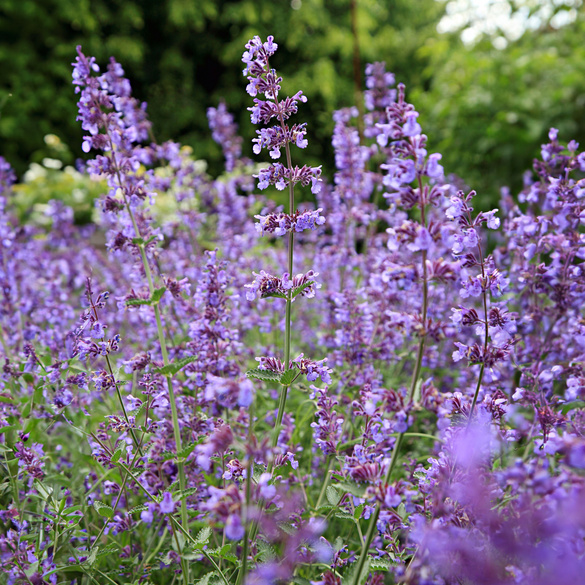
(486,105)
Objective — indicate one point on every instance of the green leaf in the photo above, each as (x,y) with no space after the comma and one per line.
(184,494)
(287,378)
(45,491)
(158,294)
(350,576)
(117,454)
(186,451)
(182,454)
(172,368)
(223,553)
(353,488)
(332,495)
(108,550)
(265,375)
(139,508)
(572,405)
(138,241)
(153,300)
(103,509)
(299,289)
(90,560)
(205,579)
(266,552)
(382,564)
(203,535)
(275,295)
(137,302)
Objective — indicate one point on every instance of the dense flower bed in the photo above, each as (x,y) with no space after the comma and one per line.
(385,386)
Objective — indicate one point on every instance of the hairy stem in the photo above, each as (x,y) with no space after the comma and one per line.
(486,337)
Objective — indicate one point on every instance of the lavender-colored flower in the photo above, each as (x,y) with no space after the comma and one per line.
(7,176)
(280,224)
(167,505)
(263,80)
(224,132)
(265,285)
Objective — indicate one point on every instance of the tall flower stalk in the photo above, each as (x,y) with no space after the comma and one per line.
(116,124)
(264,81)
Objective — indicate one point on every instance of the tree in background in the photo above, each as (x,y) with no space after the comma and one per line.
(487,106)
(184,55)
(489,109)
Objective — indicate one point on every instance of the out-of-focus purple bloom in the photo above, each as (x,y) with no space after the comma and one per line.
(167,505)
(7,176)
(280,224)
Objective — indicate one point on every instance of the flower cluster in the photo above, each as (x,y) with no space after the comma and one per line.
(265,285)
(280,224)
(263,80)
(449,438)
(310,368)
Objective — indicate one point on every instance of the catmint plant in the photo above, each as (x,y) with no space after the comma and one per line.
(264,81)
(434,430)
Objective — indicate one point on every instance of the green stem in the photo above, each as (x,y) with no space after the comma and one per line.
(288,310)
(325,483)
(163,346)
(252,529)
(486,337)
(413,383)
(175,523)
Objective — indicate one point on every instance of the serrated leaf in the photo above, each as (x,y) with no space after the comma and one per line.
(137,302)
(343,515)
(154,299)
(137,241)
(275,295)
(265,375)
(90,560)
(350,576)
(186,451)
(203,535)
(287,527)
(157,295)
(223,552)
(287,378)
(332,495)
(185,494)
(381,564)
(108,550)
(172,368)
(266,552)
(205,579)
(353,488)
(139,508)
(103,509)
(299,289)
(357,513)
(117,454)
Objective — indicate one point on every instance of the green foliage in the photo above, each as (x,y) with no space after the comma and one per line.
(184,56)
(49,181)
(488,110)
